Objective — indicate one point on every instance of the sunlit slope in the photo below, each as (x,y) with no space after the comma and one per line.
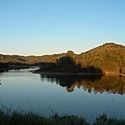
(109,57)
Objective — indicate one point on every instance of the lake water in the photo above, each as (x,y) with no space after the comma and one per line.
(87,97)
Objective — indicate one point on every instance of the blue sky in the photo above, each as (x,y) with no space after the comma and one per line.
(38,27)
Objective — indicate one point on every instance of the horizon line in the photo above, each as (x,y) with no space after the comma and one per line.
(26,55)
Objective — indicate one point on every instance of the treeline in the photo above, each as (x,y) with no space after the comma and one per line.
(3,67)
(67,65)
(15,66)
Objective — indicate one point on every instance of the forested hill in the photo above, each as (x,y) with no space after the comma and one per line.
(109,57)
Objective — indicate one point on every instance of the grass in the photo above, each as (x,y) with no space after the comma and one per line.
(16,118)
(33,119)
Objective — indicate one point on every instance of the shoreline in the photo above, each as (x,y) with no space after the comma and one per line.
(66,73)
(79,74)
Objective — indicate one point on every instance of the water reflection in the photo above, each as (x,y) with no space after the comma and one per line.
(96,84)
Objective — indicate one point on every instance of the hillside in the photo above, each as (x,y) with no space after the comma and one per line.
(29,59)
(109,58)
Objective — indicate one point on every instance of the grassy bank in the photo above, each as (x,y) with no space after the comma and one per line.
(16,118)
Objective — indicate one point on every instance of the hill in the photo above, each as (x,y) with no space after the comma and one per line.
(29,59)
(109,58)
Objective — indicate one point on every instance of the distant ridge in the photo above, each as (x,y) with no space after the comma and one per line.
(109,57)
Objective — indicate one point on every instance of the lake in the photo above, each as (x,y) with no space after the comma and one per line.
(84,96)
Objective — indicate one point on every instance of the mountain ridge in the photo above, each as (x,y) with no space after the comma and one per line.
(109,57)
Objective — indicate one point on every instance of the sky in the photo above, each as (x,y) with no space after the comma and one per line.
(39,27)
